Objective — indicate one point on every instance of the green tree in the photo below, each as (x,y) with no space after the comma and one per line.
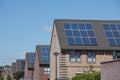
(91,68)
(88,76)
(0,76)
(18,75)
(8,77)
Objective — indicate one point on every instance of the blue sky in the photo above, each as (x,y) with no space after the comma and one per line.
(27,23)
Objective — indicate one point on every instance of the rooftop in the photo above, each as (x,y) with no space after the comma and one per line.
(88,34)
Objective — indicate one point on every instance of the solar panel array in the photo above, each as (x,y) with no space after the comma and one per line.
(22,65)
(80,34)
(32,58)
(112,33)
(45,54)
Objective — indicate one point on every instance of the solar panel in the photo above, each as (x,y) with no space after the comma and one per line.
(112,33)
(45,54)
(32,58)
(22,65)
(80,34)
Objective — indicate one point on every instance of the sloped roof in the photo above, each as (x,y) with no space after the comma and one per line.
(19,65)
(98,30)
(29,64)
(13,68)
(38,51)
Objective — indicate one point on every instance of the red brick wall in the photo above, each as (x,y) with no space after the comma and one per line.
(42,75)
(36,68)
(27,73)
(5,73)
(39,71)
(26,69)
(110,70)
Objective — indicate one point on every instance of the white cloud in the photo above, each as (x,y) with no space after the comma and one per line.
(47,28)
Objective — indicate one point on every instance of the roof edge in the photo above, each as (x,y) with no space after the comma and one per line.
(85,20)
(110,61)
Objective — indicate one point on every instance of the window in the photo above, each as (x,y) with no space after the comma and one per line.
(22,65)
(91,56)
(46,70)
(116,55)
(75,56)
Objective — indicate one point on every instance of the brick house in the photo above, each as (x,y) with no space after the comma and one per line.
(20,65)
(81,43)
(6,70)
(41,67)
(13,69)
(29,66)
(110,70)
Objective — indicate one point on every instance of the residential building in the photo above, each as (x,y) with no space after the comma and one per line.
(82,43)
(13,69)
(42,58)
(6,70)
(29,66)
(0,69)
(110,70)
(20,66)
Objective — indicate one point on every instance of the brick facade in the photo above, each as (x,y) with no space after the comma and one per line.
(28,73)
(36,68)
(110,70)
(6,71)
(29,66)
(43,76)
(39,65)
(20,65)
(13,70)
(69,69)
(54,48)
